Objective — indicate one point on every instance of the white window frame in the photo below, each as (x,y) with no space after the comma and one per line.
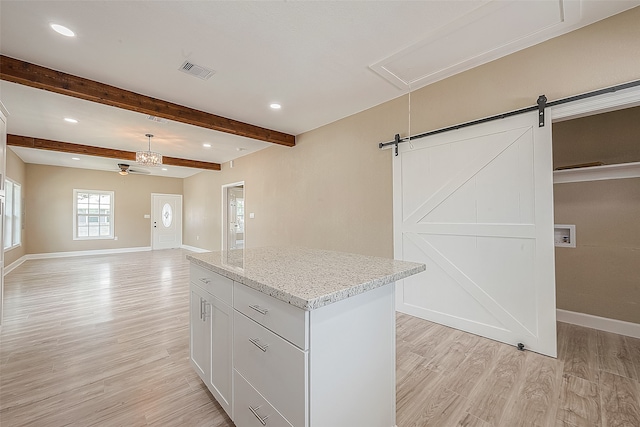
(15,230)
(111,214)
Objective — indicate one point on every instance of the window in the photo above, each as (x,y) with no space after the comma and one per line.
(12,214)
(92,214)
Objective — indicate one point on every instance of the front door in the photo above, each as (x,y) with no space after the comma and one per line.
(166,221)
(476,205)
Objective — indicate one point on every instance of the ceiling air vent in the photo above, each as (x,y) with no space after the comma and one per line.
(157,119)
(196,70)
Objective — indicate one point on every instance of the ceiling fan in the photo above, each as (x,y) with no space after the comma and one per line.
(125,169)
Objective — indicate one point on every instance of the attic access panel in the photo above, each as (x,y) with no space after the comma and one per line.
(505,27)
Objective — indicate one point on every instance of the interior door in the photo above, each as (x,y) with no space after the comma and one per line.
(476,205)
(166,224)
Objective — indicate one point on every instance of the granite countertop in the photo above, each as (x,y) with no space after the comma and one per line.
(306,278)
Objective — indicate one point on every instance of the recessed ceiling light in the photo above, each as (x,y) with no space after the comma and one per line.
(275,106)
(75,158)
(70,120)
(164,169)
(240,148)
(61,29)
(206,145)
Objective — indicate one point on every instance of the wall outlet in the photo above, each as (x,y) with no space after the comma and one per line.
(252,215)
(147,216)
(115,238)
(197,237)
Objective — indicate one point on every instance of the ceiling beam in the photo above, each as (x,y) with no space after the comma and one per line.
(25,73)
(88,150)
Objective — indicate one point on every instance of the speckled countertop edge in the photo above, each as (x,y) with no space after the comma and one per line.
(308,278)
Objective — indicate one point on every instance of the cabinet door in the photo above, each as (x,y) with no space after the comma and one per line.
(251,408)
(221,351)
(276,368)
(200,334)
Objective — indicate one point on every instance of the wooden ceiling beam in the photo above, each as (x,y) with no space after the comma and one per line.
(88,150)
(25,73)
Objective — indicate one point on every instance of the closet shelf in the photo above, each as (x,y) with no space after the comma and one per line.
(597,173)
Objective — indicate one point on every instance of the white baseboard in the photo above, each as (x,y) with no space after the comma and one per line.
(9,268)
(85,253)
(194,249)
(15,264)
(601,323)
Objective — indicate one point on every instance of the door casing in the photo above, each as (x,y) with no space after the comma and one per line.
(156,220)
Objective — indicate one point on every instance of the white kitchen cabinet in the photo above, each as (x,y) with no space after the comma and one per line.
(313,335)
(211,328)
(253,410)
(273,366)
(221,353)
(200,333)
(344,377)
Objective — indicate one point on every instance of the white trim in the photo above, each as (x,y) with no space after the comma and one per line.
(224,189)
(15,264)
(85,253)
(154,218)
(600,104)
(194,249)
(4,110)
(597,173)
(619,327)
(625,98)
(14,185)
(112,215)
(570,17)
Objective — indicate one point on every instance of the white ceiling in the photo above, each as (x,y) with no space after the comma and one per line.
(321,60)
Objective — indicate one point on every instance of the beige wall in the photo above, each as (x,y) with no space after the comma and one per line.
(609,138)
(49,207)
(334,189)
(202,215)
(601,275)
(16,170)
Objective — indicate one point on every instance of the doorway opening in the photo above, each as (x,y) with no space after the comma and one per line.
(596,273)
(233,224)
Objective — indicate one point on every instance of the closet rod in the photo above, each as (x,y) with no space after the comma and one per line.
(616,88)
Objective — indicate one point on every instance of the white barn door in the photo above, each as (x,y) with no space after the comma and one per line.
(476,205)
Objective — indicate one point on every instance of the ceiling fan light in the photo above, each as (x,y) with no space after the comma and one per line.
(123,173)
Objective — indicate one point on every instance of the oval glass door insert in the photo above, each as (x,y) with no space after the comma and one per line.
(167,215)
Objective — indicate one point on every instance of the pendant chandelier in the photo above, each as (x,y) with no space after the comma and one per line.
(148,158)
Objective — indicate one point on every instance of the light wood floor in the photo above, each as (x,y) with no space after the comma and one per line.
(103,341)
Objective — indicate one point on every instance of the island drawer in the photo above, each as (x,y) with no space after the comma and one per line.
(288,321)
(275,367)
(217,285)
(251,409)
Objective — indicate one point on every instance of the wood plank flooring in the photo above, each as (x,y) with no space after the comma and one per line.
(103,341)
(450,378)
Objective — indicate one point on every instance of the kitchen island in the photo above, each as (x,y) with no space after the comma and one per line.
(297,337)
